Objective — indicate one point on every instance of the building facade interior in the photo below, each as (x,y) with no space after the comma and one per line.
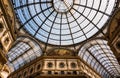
(59,38)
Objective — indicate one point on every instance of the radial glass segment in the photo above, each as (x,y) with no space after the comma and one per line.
(63,22)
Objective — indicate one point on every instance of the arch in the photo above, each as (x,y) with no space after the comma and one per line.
(98,54)
(24,50)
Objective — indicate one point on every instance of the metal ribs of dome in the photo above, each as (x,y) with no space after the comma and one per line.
(63,22)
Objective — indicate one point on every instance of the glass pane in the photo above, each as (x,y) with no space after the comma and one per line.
(102,57)
(59,17)
(24,51)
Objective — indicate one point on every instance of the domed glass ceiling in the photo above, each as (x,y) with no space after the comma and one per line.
(63,22)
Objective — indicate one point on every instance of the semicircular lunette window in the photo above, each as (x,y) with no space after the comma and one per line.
(63,22)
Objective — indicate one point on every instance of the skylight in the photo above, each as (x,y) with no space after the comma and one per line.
(23,52)
(63,22)
(100,57)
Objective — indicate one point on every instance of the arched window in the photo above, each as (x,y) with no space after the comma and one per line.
(24,51)
(99,56)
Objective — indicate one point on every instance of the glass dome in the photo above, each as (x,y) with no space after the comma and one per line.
(63,22)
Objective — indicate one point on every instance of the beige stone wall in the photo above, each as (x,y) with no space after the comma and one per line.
(51,66)
(5,71)
(6,32)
